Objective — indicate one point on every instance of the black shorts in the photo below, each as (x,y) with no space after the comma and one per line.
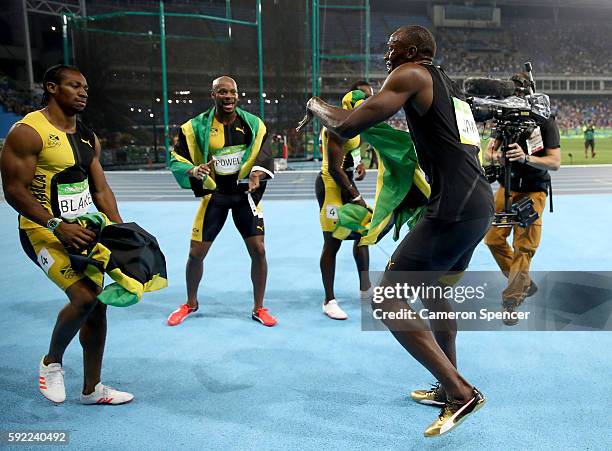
(439,246)
(214,209)
(589,143)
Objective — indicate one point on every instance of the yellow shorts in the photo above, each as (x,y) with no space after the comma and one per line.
(329,196)
(49,254)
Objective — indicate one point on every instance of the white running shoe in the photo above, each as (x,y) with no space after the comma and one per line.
(103,394)
(51,381)
(366,295)
(333,310)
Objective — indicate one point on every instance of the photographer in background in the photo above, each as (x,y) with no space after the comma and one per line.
(589,139)
(530,160)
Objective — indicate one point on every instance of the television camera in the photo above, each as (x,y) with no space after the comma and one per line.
(516,112)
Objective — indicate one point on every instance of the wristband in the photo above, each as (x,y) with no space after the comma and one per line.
(526,159)
(357,198)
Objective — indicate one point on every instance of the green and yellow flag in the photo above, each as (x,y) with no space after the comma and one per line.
(401,188)
(196,134)
(127,253)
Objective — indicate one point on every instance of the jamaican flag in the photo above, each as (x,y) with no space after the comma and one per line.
(193,150)
(401,188)
(127,253)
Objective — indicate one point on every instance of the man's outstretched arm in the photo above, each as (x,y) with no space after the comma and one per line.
(401,84)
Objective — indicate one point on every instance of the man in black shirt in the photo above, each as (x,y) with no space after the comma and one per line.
(531,158)
(459,210)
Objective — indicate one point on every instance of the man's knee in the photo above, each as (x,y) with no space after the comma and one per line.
(83,296)
(97,315)
(528,249)
(198,250)
(331,246)
(257,249)
(495,237)
(447,335)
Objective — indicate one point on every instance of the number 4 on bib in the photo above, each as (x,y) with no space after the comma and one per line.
(468,132)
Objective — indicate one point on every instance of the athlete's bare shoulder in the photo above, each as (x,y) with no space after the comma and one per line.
(413,83)
(409,77)
(23,140)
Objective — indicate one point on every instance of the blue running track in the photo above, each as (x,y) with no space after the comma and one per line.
(221,381)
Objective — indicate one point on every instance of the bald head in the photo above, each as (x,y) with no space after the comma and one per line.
(225,95)
(413,44)
(224,80)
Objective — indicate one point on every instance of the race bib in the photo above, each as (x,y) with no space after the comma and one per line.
(73,199)
(332,212)
(468,132)
(535,142)
(45,260)
(228,160)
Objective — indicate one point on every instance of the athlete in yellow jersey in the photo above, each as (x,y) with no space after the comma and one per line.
(221,156)
(335,187)
(51,172)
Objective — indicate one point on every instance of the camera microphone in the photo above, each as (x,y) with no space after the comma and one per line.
(488,87)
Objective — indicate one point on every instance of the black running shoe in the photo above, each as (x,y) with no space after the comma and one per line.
(531,290)
(509,312)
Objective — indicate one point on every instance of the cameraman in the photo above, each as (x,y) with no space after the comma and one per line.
(531,158)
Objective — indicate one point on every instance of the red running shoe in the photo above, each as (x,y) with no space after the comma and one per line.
(179,315)
(261,315)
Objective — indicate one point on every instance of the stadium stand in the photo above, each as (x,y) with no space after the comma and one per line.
(573,113)
(126,76)
(568,48)
(16,101)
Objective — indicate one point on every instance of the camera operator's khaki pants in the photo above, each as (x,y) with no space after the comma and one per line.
(515,261)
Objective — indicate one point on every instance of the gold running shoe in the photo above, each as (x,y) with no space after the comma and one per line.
(453,413)
(435,396)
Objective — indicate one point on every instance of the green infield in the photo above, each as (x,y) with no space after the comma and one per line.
(572,151)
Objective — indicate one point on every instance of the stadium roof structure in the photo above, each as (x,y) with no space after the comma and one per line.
(55,7)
